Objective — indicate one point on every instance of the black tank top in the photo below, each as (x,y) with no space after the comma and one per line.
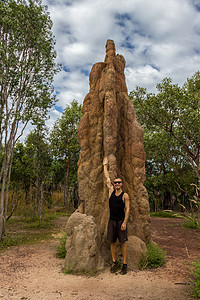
(117,206)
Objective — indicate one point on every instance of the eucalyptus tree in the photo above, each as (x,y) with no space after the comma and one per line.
(176,111)
(27,68)
(65,145)
(168,174)
(40,162)
(21,170)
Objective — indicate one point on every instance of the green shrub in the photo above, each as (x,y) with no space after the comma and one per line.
(61,251)
(192,218)
(10,240)
(163,214)
(196,280)
(191,224)
(153,258)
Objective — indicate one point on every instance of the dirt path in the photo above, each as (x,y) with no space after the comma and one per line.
(33,272)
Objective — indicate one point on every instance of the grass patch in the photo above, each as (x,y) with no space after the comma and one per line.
(22,230)
(191,224)
(153,258)
(191,220)
(31,222)
(23,239)
(52,215)
(60,250)
(196,279)
(163,214)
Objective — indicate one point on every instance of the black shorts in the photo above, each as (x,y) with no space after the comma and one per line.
(114,232)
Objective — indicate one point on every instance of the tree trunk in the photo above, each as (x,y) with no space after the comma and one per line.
(41,203)
(166,202)
(66,195)
(36,197)
(67,165)
(26,196)
(37,188)
(4,173)
(31,193)
(13,206)
(7,190)
(75,198)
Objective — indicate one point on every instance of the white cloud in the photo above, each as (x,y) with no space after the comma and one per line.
(158,38)
(72,85)
(142,76)
(53,116)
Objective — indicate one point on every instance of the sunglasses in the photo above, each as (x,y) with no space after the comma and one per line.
(117,182)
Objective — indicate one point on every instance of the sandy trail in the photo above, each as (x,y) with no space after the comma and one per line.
(33,272)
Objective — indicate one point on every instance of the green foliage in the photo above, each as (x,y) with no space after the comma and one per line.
(32,171)
(196,279)
(65,147)
(28,217)
(23,239)
(192,218)
(153,258)
(68,271)
(27,68)
(11,240)
(175,111)
(61,251)
(196,197)
(38,156)
(191,223)
(36,224)
(163,214)
(26,230)
(64,140)
(171,123)
(70,268)
(32,222)
(21,170)
(27,58)
(32,167)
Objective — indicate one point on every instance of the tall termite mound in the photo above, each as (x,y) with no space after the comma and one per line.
(109,127)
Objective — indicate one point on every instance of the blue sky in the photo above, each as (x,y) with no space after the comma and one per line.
(157,38)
